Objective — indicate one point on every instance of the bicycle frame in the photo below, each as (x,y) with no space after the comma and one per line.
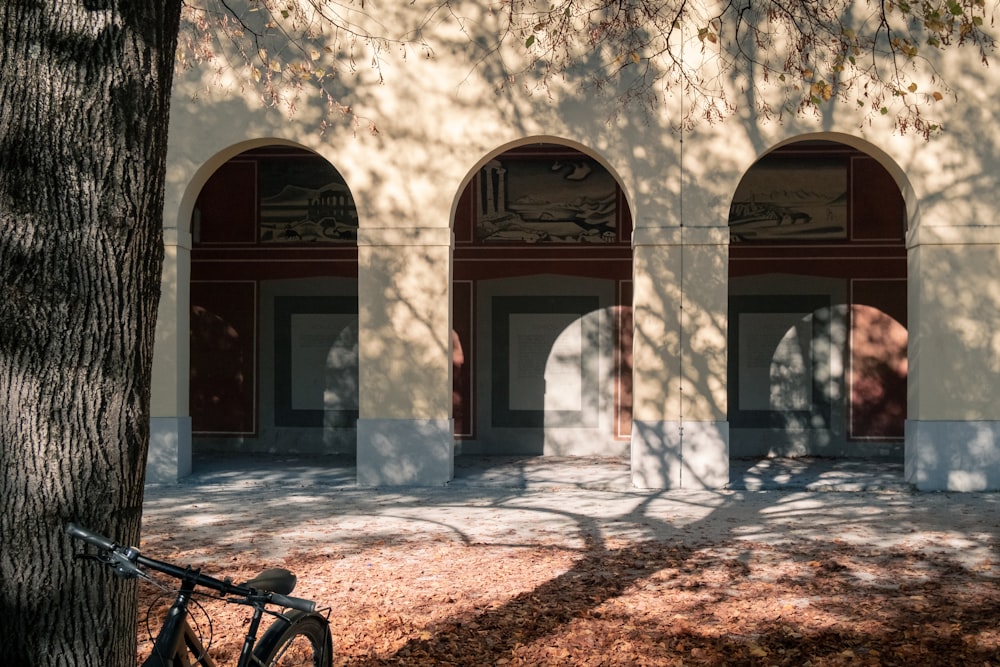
(177,642)
(177,639)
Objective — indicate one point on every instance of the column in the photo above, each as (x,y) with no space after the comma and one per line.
(169,456)
(953,413)
(405,432)
(680,436)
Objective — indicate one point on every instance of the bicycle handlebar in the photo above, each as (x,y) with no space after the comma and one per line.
(126,560)
(90,537)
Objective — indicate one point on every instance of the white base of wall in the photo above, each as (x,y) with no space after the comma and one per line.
(680,455)
(169,456)
(405,452)
(953,455)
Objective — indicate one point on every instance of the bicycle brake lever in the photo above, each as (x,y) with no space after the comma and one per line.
(123,563)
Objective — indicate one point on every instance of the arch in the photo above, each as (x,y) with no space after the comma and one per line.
(200,176)
(197,179)
(886,160)
(540,139)
(800,247)
(542,245)
(275,271)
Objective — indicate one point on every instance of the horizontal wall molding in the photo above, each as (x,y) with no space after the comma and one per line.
(953,235)
(661,236)
(395,236)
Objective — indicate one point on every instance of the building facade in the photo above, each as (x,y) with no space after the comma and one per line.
(515,273)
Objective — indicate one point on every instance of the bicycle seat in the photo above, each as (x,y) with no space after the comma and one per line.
(274,580)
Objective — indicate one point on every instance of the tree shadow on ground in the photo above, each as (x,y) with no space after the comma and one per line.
(578,577)
(660,604)
(816,596)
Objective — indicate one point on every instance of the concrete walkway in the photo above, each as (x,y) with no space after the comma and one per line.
(276,506)
(538,472)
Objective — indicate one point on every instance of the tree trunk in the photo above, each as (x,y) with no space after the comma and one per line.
(84,101)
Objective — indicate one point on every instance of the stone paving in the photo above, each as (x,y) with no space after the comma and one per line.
(538,472)
(286,504)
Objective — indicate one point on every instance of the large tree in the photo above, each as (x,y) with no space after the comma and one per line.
(84,100)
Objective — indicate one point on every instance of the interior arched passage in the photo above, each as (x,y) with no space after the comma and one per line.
(274,307)
(542,294)
(817,306)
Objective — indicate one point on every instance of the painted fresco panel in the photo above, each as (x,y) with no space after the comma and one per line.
(316,361)
(791,198)
(879,367)
(780,361)
(539,370)
(303,199)
(222,397)
(553,198)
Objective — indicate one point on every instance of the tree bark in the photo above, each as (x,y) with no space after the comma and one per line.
(84,103)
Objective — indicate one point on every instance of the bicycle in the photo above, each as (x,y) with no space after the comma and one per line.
(299,635)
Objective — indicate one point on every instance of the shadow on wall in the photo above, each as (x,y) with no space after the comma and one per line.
(692,456)
(954,456)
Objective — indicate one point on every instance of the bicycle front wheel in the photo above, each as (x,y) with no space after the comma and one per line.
(296,639)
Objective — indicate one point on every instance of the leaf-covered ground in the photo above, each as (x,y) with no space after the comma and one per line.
(619,602)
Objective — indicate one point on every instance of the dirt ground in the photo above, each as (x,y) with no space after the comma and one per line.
(588,578)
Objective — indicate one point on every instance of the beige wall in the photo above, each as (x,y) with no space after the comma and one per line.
(404,313)
(954,310)
(439,118)
(680,307)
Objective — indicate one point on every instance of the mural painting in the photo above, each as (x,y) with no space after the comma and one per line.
(782,198)
(304,201)
(547,199)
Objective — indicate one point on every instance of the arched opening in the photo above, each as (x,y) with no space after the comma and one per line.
(274,307)
(817,307)
(542,293)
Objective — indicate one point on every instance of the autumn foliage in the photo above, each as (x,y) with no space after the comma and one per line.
(443,601)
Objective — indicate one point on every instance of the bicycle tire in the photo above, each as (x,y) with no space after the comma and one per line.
(296,639)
